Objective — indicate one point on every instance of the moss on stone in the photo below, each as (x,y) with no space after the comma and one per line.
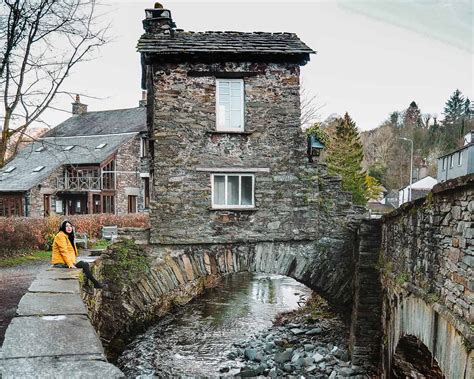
(129,262)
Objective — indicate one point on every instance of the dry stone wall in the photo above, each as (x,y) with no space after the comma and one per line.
(427,272)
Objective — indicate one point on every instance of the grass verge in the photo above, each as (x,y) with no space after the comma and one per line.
(35,256)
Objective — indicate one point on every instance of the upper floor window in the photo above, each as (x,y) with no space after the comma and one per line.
(460,158)
(230,105)
(451,161)
(444,163)
(233,190)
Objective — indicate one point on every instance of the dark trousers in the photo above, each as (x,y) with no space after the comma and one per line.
(85,268)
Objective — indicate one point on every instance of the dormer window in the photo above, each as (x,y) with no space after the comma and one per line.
(68,148)
(101,146)
(38,169)
(9,169)
(230,105)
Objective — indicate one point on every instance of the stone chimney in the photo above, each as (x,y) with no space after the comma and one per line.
(158,20)
(142,102)
(77,107)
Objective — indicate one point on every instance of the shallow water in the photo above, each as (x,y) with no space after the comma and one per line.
(195,340)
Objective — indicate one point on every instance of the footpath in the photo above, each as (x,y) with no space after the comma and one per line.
(51,335)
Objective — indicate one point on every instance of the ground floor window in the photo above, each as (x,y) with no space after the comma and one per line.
(47,205)
(132,204)
(108,204)
(11,205)
(146,187)
(233,190)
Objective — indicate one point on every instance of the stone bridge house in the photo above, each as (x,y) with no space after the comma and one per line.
(94,162)
(234,191)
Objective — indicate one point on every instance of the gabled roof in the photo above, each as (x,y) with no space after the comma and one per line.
(102,122)
(229,43)
(423,184)
(22,178)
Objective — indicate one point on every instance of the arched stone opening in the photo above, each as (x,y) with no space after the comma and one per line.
(179,273)
(413,359)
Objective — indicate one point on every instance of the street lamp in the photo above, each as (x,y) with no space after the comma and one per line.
(411,166)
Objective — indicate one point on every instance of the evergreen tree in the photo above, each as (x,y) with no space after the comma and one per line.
(412,116)
(345,155)
(468,109)
(454,108)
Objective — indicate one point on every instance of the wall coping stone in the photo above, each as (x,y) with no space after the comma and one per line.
(448,186)
(51,335)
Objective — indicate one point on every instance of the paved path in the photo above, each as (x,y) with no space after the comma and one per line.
(14,283)
(51,335)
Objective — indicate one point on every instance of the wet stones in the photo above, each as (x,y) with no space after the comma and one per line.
(278,352)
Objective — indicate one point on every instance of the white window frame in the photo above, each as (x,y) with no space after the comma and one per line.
(233,206)
(444,164)
(451,161)
(460,158)
(242,113)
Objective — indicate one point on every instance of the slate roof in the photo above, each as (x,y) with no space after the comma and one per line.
(102,122)
(85,132)
(182,42)
(22,178)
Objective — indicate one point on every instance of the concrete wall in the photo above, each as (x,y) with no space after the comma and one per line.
(427,271)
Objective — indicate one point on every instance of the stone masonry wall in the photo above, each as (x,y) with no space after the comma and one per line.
(426,264)
(36,194)
(128,159)
(293,201)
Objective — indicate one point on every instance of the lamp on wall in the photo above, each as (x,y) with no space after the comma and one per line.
(314,147)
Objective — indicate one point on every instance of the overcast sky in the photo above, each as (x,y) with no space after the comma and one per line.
(373,57)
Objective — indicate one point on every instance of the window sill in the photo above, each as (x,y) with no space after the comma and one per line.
(228,132)
(230,209)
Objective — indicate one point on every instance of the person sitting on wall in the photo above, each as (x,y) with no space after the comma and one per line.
(65,253)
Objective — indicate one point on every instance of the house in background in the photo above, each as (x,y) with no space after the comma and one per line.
(94,162)
(419,189)
(459,162)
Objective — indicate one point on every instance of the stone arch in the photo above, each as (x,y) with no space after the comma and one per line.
(179,273)
(412,358)
(430,324)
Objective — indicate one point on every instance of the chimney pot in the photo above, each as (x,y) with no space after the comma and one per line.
(77,107)
(158,20)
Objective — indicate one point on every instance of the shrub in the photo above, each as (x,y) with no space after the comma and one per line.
(20,234)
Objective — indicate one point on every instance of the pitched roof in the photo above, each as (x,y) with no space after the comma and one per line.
(102,122)
(22,178)
(234,43)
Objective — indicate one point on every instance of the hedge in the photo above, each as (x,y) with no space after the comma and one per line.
(20,234)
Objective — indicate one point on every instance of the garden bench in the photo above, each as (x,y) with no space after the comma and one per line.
(81,238)
(110,233)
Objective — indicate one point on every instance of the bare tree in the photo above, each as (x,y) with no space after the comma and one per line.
(309,108)
(41,41)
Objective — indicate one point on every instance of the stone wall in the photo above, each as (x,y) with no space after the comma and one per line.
(427,266)
(178,273)
(293,200)
(366,326)
(48,186)
(128,181)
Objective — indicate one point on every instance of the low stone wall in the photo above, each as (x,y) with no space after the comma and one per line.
(51,336)
(427,267)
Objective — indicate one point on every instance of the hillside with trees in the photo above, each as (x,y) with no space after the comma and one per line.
(387,156)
